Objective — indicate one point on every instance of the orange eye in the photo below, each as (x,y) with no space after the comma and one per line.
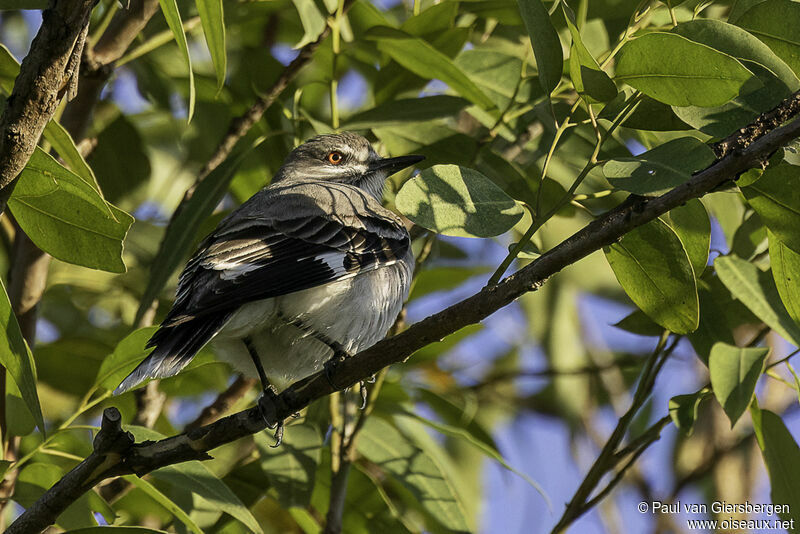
(335,158)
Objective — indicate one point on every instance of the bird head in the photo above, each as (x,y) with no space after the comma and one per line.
(345,158)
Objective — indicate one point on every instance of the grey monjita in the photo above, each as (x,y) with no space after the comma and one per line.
(310,267)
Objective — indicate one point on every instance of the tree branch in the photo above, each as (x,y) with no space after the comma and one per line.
(141,458)
(44,74)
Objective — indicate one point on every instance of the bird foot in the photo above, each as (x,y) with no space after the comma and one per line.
(330,366)
(267,407)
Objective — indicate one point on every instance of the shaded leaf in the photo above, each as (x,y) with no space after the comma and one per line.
(587,76)
(385,446)
(680,72)
(734,372)
(292,467)
(164,501)
(424,60)
(660,169)
(457,201)
(544,41)
(775,22)
(683,411)
(756,289)
(637,322)
(652,267)
(16,358)
(785,264)
(406,110)
(693,227)
(197,478)
(126,356)
(776,198)
(782,458)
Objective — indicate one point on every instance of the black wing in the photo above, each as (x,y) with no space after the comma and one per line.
(282,240)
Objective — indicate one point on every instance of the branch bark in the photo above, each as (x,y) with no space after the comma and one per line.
(142,458)
(44,74)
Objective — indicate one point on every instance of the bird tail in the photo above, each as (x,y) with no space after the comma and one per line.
(175,346)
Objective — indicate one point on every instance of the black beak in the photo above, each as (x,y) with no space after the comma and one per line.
(392,165)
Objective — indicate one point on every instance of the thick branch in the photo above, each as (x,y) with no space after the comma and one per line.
(43,75)
(142,458)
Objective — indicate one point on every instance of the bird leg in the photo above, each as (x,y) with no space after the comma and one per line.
(339,354)
(268,402)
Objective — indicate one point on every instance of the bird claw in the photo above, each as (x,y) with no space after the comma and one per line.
(267,408)
(363,389)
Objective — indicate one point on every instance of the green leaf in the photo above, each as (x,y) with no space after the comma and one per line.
(680,72)
(457,201)
(734,372)
(587,76)
(385,446)
(292,467)
(406,110)
(660,169)
(64,216)
(311,18)
(776,198)
(652,267)
(126,356)
(213,21)
(179,236)
(785,264)
(16,357)
(756,290)
(112,529)
(195,477)
(487,449)
(544,41)
(693,227)
(637,322)
(152,492)
(424,60)
(782,458)
(775,22)
(54,133)
(683,411)
(170,10)
(776,78)
(497,73)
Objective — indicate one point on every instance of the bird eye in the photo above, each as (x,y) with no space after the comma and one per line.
(335,158)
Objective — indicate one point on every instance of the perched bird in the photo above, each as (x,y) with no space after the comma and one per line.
(310,268)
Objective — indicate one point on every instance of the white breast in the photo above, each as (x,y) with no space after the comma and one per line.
(356,313)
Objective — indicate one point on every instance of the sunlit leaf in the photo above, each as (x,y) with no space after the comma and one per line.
(652,267)
(211,16)
(680,72)
(170,10)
